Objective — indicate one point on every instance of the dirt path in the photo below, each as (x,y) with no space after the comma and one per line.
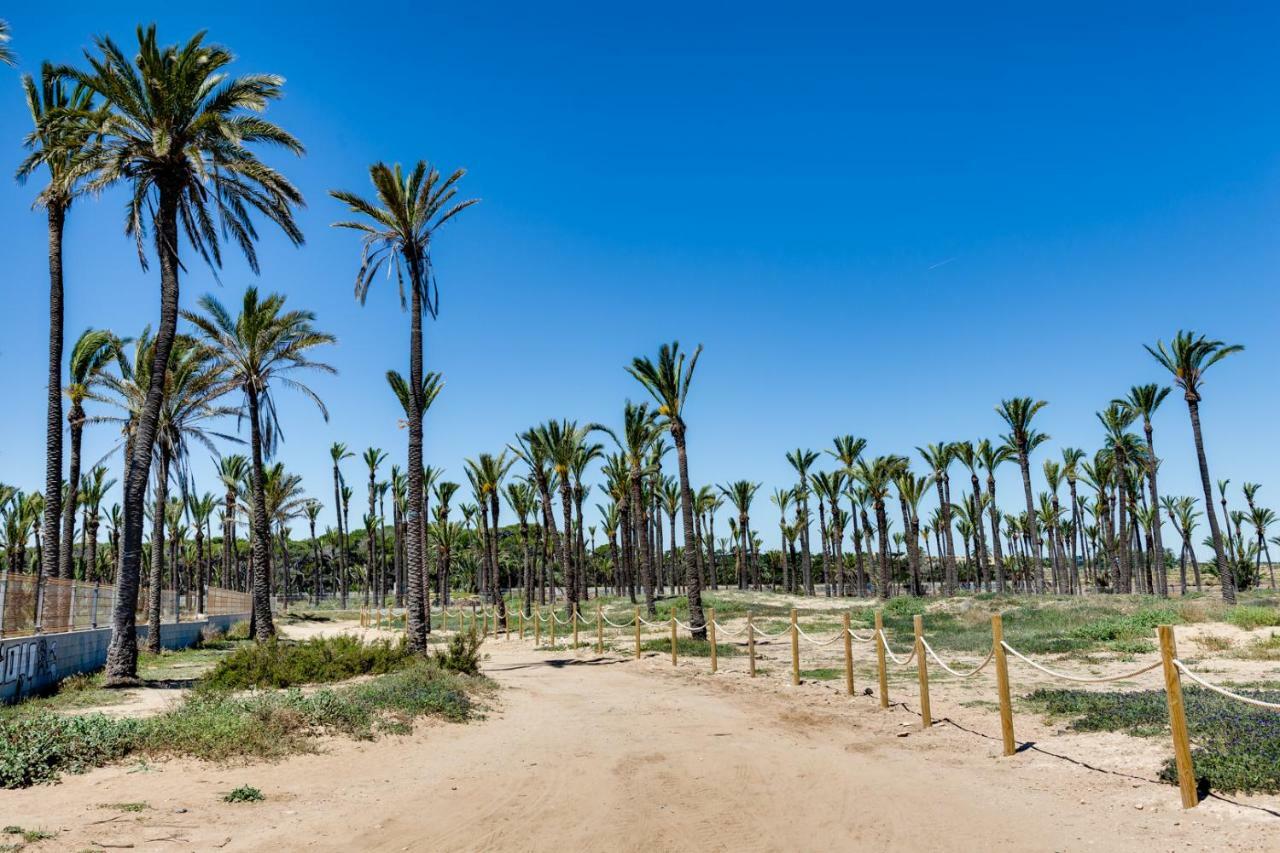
(588,753)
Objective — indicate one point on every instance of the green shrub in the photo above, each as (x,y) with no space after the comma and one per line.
(462,654)
(1238,746)
(37,748)
(243,794)
(281,663)
(905,605)
(687,647)
(1250,616)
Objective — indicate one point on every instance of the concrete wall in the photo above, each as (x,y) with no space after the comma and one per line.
(31,664)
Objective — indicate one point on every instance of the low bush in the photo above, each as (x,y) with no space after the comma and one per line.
(281,663)
(1250,616)
(218,725)
(1238,746)
(687,647)
(462,654)
(243,794)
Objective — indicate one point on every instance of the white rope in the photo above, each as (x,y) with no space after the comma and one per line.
(608,621)
(816,642)
(644,621)
(1273,706)
(1011,650)
(764,633)
(980,667)
(855,636)
(727,632)
(884,641)
(689,628)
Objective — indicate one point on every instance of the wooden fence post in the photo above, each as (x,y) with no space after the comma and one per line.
(848,656)
(575,629)
(673,636)
(884,675)
(922,668)
(551,627)
(537,627)
(599,630)
(795,650)
(520,622)
(751,645)
(1002,684)
(711,634)
(637,633)
(1177,718)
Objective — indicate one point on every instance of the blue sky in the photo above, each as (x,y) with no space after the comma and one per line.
(877,221)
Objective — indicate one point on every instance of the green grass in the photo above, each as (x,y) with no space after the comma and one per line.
(1237,747)
(282,663)
(125,807)
(217,725)
(688,647)
(29,836)
(1262,648)
(822,674)
(1250,616)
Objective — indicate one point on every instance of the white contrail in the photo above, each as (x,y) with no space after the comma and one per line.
(941,263)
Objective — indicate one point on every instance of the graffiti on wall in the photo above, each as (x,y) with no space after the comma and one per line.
(29,659)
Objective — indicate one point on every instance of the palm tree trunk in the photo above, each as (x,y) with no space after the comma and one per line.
(692,581)
(50,557)
(566,566)
(64,566)
(882,534)
(264,627)
(1226,573)
(122,654)
(1033,530)
(156,583)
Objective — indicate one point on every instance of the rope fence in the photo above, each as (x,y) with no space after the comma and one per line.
(491,621)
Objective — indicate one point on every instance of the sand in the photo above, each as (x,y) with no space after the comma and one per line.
(587,752)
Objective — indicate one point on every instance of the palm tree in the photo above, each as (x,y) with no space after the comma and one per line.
(397,230)
(94,350)
(668,381)
(373,458)
(264,344)
(992,457)
(911,490)
(521,499)
(56,143)
(939,458)
(876,476)
(232,471)
(801,460)
(178,131)
(486,474)
(1143,400)
(337,452)
(640,431)
(741,493)
(6,55)
(93,489)
(1187,357)
(199,510)
(781,498)
(312,511)
(560,442)
(1018,413)
(848,449)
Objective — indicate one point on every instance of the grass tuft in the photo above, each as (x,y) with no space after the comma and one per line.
(243,794)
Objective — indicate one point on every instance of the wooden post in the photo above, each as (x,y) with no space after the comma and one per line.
(637,633)
(599,630)
(575,628)
(884,676)
(673,636)
(795,650)
(848,657)
(551,627)
(1177,718)
(922,668)
(537,627)
(751,645)
(1002,684)
(520,622)
(711,635)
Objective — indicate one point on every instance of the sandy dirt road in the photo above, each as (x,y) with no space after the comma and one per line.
(605,753)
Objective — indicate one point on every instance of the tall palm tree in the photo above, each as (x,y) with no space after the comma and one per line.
(312,511)
(93,490)
(520,497)
(179,131)
(668,382)
(1023,438)
(1187,357)
(781,498)
(992,457)
(640,431)
(264,344)
(373,458)
(397,228)
(338,452)
(94,350)
(561,441)
(801,460)
(232,470)
(939,458)
(1143,400)
(199,510)
(876,475)
(847,450)
(56,143)
(741,493)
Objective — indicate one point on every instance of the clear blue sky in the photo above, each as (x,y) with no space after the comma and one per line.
(877,222)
